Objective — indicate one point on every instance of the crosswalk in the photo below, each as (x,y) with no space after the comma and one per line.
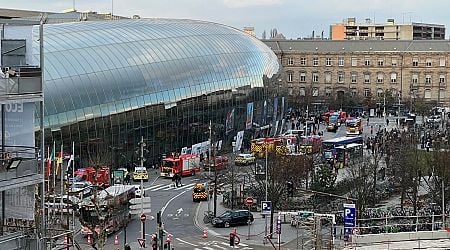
(212,245)
(169,187)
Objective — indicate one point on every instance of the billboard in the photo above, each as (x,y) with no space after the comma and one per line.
(249,120)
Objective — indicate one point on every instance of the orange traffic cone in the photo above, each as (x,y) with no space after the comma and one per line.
(89,240)
(205,233)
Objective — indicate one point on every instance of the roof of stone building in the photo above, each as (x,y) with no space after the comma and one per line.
(323,46)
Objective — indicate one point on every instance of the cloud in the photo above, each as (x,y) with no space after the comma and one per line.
(247,3)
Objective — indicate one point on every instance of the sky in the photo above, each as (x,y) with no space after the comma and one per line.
(293,18)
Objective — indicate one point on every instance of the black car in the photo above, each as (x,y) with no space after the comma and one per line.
(230,218)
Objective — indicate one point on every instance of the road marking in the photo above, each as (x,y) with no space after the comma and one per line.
(186,242)
(149,188)
(173,198)
(159,188)
(208,248)
(220,246)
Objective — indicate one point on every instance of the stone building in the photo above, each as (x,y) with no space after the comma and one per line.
(409,70)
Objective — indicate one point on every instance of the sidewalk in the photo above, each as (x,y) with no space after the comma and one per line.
(257,228)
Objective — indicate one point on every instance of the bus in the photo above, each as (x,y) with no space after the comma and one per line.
(354,126)
(347,153)
(329,147)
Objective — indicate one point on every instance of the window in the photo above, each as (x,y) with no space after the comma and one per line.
(366,78)
(428,79)
(290,61)
(428,62)
(302,92)
(415,62)
(353,93)
(415,78)
(441,94)
(315,77)
(380,77)
(328,91)
(303,61)
(341,77)
(441,78)
(315,61)
(327,77)
(442,62)
(302,77)
(366,92)
(380,93)
(328,61)
(315,92)
(354,77)
(341,61)
(394,93)
(394,61)
(290,77)
(354,62)
(393,77)
(367,62)
(427,94)
(380,62)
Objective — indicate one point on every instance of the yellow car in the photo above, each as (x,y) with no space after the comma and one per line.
(140,173)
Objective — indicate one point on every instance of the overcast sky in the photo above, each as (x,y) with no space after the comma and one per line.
(293,18)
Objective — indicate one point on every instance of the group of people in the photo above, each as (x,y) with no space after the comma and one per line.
(176,179)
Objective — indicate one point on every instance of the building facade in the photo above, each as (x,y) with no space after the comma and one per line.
(349,29)
(108,83)
(411,70)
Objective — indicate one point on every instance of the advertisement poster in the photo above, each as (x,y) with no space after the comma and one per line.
(249,120)
(229,122)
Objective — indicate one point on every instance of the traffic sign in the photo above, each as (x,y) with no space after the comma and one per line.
(138,207)
(249,201)
(349,218)
(143,217)
(144,200)
(141,242)
(138,211)
(266,207)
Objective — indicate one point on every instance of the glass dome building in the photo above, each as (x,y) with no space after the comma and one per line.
(107,83)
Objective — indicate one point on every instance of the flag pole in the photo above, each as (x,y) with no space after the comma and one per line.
(72,159)
(61,179)
(54,179)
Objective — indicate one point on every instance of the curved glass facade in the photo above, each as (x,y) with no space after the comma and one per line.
(112,82)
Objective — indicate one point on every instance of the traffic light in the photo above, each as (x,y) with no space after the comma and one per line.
(158,219)
(154,242)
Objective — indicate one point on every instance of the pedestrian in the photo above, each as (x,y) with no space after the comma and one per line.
(179,180)
(371,130)
(387,122)
(174,180)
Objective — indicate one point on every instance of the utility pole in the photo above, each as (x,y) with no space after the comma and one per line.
(266,196)
(209,166)
(443,204)
(384,109)
(141,159)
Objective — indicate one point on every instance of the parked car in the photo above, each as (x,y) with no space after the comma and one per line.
(245,159)
(233,218)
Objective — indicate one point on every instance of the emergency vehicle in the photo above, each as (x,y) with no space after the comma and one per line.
(140,173)
(280,145)
(185,164)
(354,126)
(88,174)
(310,144)
(199,193)
(220,162)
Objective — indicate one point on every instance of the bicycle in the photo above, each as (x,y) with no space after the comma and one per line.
(209,215)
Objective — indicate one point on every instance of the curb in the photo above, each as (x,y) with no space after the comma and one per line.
(196,224)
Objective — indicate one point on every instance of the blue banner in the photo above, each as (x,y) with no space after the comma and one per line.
(249,120)
(349,218)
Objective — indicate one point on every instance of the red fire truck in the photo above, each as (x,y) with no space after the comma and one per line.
(88,174)
(186,164)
